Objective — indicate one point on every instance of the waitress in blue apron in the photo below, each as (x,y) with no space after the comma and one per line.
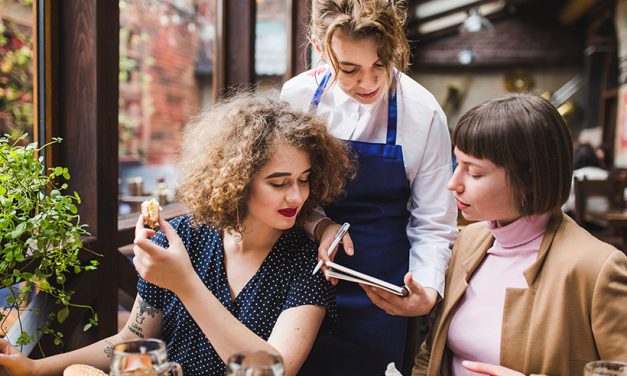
(403,219)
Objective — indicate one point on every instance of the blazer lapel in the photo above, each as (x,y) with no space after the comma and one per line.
(518,306)
(551,230)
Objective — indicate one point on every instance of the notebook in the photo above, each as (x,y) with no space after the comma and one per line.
(348,274)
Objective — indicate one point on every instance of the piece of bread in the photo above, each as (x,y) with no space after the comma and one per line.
(150,211)
(82,370)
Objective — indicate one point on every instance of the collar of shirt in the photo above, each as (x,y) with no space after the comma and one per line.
(339,96)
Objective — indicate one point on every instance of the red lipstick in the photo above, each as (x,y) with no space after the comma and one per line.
(289,212)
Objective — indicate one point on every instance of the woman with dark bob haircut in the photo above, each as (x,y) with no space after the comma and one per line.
(234,274)
(528,290)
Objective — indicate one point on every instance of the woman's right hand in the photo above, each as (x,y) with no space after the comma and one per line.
(13,362)
(326,231)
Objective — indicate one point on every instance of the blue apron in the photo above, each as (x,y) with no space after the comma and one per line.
(375,205)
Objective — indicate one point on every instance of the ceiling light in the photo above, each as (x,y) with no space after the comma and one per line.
(475,23)
(466,56)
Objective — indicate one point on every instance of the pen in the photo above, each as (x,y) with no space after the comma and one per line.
(342,231)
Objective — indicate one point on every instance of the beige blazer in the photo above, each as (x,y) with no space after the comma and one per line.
(574,310)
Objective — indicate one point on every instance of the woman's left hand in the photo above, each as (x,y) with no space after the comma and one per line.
(489,369)
(166,268)
(419,302)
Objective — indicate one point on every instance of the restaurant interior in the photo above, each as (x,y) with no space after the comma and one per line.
(118,80)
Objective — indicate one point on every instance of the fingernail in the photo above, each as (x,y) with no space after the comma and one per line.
(350,251)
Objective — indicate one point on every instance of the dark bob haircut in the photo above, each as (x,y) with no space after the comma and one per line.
(524,134)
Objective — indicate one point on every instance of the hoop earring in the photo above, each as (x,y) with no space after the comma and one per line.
(237,231)
(315,71)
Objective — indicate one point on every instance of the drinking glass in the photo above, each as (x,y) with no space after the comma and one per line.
(260,363)
(145,357)
(605,368)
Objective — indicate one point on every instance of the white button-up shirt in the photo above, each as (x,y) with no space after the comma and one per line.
(426,144)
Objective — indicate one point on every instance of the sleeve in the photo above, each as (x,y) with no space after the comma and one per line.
(432,226)
(298,91)
(609,300)
(310,223)
(152,294)
(310,289)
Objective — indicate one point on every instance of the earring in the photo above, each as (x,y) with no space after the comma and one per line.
(315,70)
(237,231)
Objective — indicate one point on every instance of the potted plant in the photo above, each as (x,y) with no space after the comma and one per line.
(40,235)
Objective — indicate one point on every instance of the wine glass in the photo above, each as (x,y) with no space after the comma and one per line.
(259,363)
(605,368)
(145,357)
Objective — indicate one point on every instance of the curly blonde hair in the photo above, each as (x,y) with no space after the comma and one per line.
(227,144)
(382,19)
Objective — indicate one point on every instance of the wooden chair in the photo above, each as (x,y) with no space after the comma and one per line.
(614,216)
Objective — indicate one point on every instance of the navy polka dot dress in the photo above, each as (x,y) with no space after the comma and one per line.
(283,281)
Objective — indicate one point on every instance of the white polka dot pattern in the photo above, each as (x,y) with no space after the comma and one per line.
(283,281)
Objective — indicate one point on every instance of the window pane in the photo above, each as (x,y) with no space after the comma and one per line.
(16,68)
(272,41)
(166,76)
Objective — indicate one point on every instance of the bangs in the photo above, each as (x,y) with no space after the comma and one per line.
(480,133)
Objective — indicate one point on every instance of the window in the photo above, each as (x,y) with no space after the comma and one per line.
(166,76)
(272,43)
(16,68)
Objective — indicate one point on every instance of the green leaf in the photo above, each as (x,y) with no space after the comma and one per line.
(62,314)
(6,201)
(4,223)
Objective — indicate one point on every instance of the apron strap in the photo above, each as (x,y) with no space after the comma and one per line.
(315,101)
(392,113)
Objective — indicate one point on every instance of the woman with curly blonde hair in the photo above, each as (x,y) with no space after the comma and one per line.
(403,220)
(234,274)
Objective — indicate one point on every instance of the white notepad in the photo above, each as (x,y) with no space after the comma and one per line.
(348,274)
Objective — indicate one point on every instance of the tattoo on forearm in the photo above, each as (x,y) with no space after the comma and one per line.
(137,330)
(144,309)
(108,350)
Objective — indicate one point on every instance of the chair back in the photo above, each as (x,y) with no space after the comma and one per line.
(612,189)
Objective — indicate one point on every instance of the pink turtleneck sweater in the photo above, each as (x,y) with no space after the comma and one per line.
(475,331)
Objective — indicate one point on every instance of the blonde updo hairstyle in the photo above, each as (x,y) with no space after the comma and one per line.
(382,19)
(227,144)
